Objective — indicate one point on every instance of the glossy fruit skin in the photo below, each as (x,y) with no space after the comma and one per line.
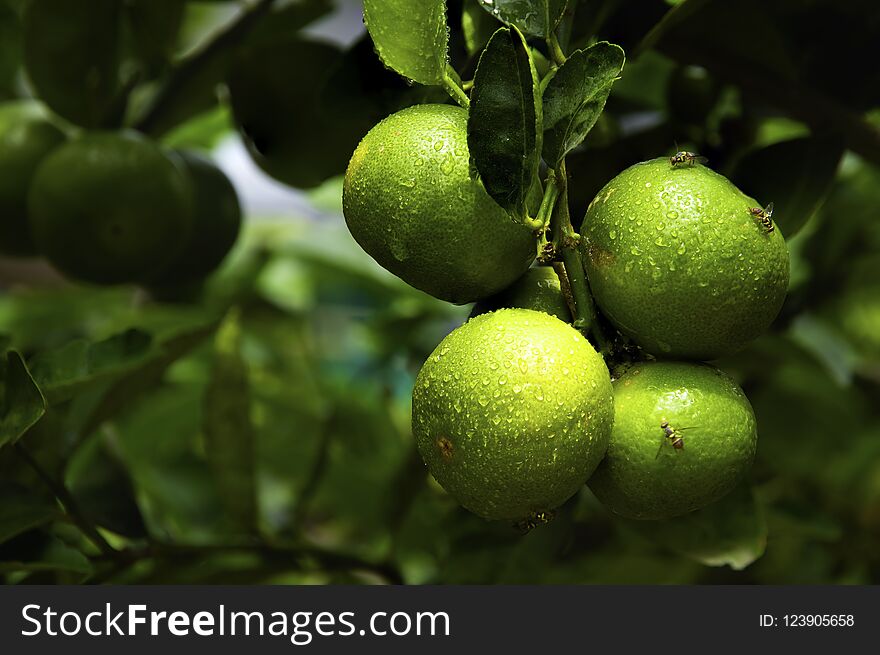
(676,261)
(110,208)
(411,203)
(512,413)
(641,479)
(26,138)
(216,222)
(538,289)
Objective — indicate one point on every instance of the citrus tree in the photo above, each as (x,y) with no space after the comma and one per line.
(589,292)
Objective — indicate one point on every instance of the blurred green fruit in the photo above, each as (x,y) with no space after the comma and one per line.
(216,222)
(649,473)
(109,208)
(678,263)
(26,137)
(411,202)
(512,413)
(538,289)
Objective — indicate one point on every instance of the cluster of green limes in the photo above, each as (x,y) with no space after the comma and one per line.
(110,207)
(515,411)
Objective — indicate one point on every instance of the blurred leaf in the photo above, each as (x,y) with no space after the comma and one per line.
(22,510)
(102,487)
(504,125)
(575,97)
(67,371)
(731,532)
(202,132)
(10,49)
(54,555)
(532,17)
(228,428)
(22,401)
(795,175)
(477,27)
(72,57)
(410,37)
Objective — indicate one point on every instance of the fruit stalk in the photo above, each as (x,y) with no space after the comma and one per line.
(454,87)
(565,241)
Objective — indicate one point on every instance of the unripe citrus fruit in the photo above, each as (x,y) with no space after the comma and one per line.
(538,288)
(678,263)
(684,434)
(26,137)
(110,208)
(216,222)
(512,413)
(410,201)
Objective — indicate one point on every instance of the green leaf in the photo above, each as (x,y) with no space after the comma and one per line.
(229,430)
(410,37)
(10,49)
(532,17)
(67,371)
(575,97)
(504,125)
(795,175)
(477,27)
(21,510)
(72,57)
(731,532)
(51,555)
(153,26)
(22,401)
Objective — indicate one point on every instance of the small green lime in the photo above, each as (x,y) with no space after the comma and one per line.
(216,222)
(512,413)
(678,263)
(684,435)
(109,208)
(26,138)
(538,288)
(411,202)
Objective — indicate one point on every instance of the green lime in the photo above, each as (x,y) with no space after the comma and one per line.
(216,222)
(26,137)
(684,435)
(538,288)
(512,413)
(677,261)
(410,201)
(110,208)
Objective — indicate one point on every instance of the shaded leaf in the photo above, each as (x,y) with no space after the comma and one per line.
(72,57)
(67,371)
(504,124)
(731,532)
(22,510)
(532,17)
(52,555)
(575,97)
(154,26)
(795,175)
(103,489)
(477,27)
(229,431)
(410,37)
(22,401)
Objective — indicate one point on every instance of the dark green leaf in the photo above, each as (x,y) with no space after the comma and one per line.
(103,489)
(410,37)
(22,401)
(52,554)
(22,510)
(576,95)
(72,57)
(731,532)
(532,17)
(229,430)
(504,125)
(69,370)
(794,175)
(10,49)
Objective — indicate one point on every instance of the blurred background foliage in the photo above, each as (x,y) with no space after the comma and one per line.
(258,429)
